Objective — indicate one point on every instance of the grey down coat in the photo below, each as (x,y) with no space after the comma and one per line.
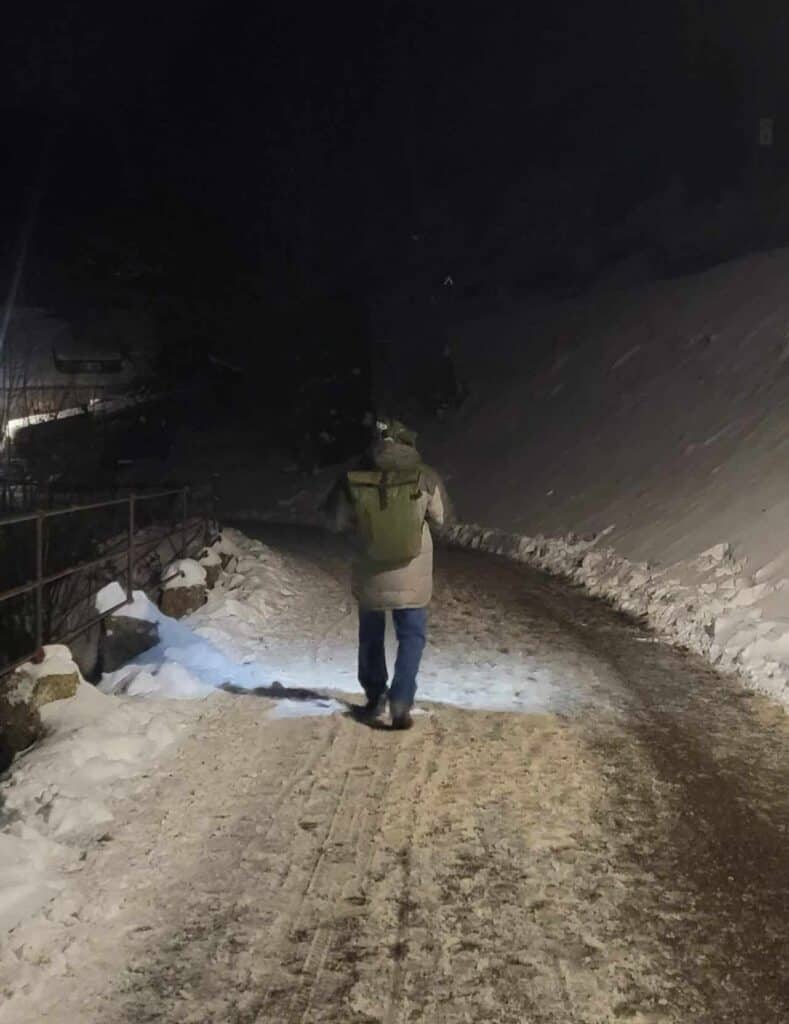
(387,587)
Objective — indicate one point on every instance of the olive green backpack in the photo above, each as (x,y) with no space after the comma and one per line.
(389,514)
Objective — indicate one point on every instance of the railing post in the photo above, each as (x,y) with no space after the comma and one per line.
(130,567)
(184,514)
(214,505)
(39,580)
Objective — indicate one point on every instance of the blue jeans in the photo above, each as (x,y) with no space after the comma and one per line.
(411,628)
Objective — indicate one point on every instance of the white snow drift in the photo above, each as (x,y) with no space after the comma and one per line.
(58,796)
(655,424)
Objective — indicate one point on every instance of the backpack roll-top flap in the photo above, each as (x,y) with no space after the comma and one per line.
(388,513)
(394,477)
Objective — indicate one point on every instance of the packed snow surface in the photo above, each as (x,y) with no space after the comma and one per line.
(272,618)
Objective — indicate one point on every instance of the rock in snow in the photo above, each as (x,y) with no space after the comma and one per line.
(24,692)
(124,638)
(184,588)
(211,561)
(186,572)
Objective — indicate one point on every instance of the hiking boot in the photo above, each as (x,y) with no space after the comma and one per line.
(373,709)
(401,716)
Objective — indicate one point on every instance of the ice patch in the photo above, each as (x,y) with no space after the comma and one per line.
(171,680)
(305,708)
(509,685)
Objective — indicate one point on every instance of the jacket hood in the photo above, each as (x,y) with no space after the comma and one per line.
(388,455)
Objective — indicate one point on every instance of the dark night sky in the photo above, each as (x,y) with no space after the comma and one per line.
(305,142)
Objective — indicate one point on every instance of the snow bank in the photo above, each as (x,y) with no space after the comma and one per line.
(659,415)
(225,641)
(219,644)
(58,798)
(708,605)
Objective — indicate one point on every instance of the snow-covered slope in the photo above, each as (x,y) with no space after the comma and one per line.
(660,415)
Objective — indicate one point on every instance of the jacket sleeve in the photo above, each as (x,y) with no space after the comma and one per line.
(439,507)
(435,508)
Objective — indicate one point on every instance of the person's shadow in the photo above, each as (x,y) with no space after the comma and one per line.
(276,691)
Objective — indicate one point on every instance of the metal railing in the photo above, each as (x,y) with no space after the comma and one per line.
(16,495)
(125,554)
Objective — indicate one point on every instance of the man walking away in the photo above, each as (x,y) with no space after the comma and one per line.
(387,504)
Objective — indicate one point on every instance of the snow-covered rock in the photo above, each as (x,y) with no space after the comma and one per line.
(124,639)
(184,588)
(220,642)
(25,691)
(227,549)
(211,561)
(186,572)
(129,631)
(20,721)
(54,676)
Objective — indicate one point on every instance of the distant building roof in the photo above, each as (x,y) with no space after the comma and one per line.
(42,350)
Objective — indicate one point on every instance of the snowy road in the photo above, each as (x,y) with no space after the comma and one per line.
(617,851)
